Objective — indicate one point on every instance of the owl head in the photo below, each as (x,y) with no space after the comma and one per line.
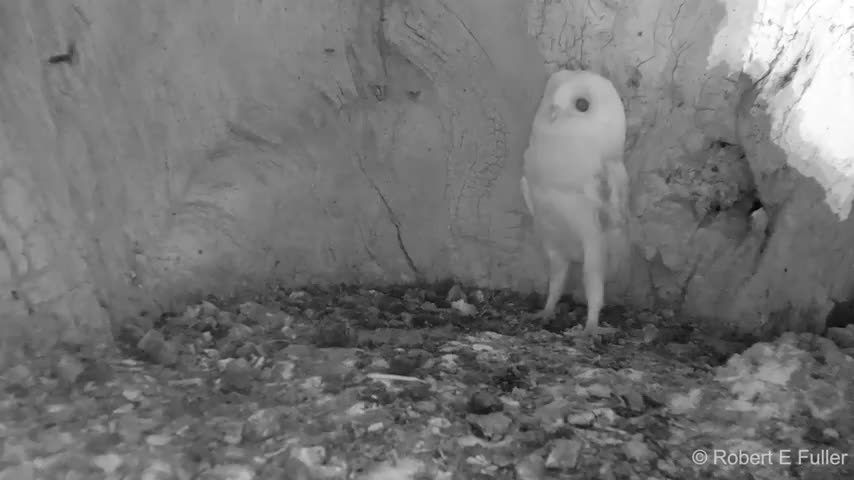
(583,97)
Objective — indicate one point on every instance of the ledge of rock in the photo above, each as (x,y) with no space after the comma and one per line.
(155,152)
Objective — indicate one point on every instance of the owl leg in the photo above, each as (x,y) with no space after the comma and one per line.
(594,280)
(558,268)
(595,263)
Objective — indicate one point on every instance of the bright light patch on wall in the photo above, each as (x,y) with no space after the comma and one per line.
(812,113)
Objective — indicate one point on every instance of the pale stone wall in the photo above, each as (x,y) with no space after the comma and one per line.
(208,146)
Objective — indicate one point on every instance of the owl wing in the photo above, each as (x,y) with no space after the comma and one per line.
(615,207)
(526,194)
(618,200)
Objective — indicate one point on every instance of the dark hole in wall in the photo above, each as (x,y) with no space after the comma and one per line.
(721,144)
(715,207)
(757,204)
(841,315)
(749,200)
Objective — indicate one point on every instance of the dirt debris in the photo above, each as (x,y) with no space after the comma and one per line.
(420,383)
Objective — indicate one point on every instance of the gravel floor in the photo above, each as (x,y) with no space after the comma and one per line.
(437,382)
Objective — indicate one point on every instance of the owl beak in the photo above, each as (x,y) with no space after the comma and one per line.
(554,112)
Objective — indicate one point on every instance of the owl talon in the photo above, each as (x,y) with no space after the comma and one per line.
(599,331)
(588,332)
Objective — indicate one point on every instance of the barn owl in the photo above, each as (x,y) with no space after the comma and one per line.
(576,187)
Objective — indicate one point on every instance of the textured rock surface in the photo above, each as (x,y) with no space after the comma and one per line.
(209,146)
(793,121)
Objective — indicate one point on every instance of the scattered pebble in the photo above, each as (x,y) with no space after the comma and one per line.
(155,346)
(483,403)
(564,454)
(69,368)
(843,337)
(464,307)
(638,451)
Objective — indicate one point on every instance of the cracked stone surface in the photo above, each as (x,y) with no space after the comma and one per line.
(211,147)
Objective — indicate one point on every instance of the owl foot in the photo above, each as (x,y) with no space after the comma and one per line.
(597,331)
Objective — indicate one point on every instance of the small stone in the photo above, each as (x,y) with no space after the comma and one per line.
(310,456)
(232,432)
(19,375)
(401,469)
(231,472)
(667,466)
(482,403)
(97,371)
(263,424)
(225,319)
(69,368)
(297,295)
(209,309)
(245,351)
(684,403)
(61,413)
(681,349)
(583,419)
(597,390)
(605,416)
(531,467)
(129,428)
(158,349)
(157,470)
(334,333)
(109,462)
(158,440)
(24,471)
(636,449)
(759,221)
(239,332)
(464,307)
(131,394)
(650,333)
(53,441)
(634,399)
(493,426)
(552,414)
(426,406)
(238,375)
(564,454)
(454,294)
(843,337)
(607,472)
(403,364)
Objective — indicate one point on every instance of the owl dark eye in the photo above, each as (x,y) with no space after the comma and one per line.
(582,104)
